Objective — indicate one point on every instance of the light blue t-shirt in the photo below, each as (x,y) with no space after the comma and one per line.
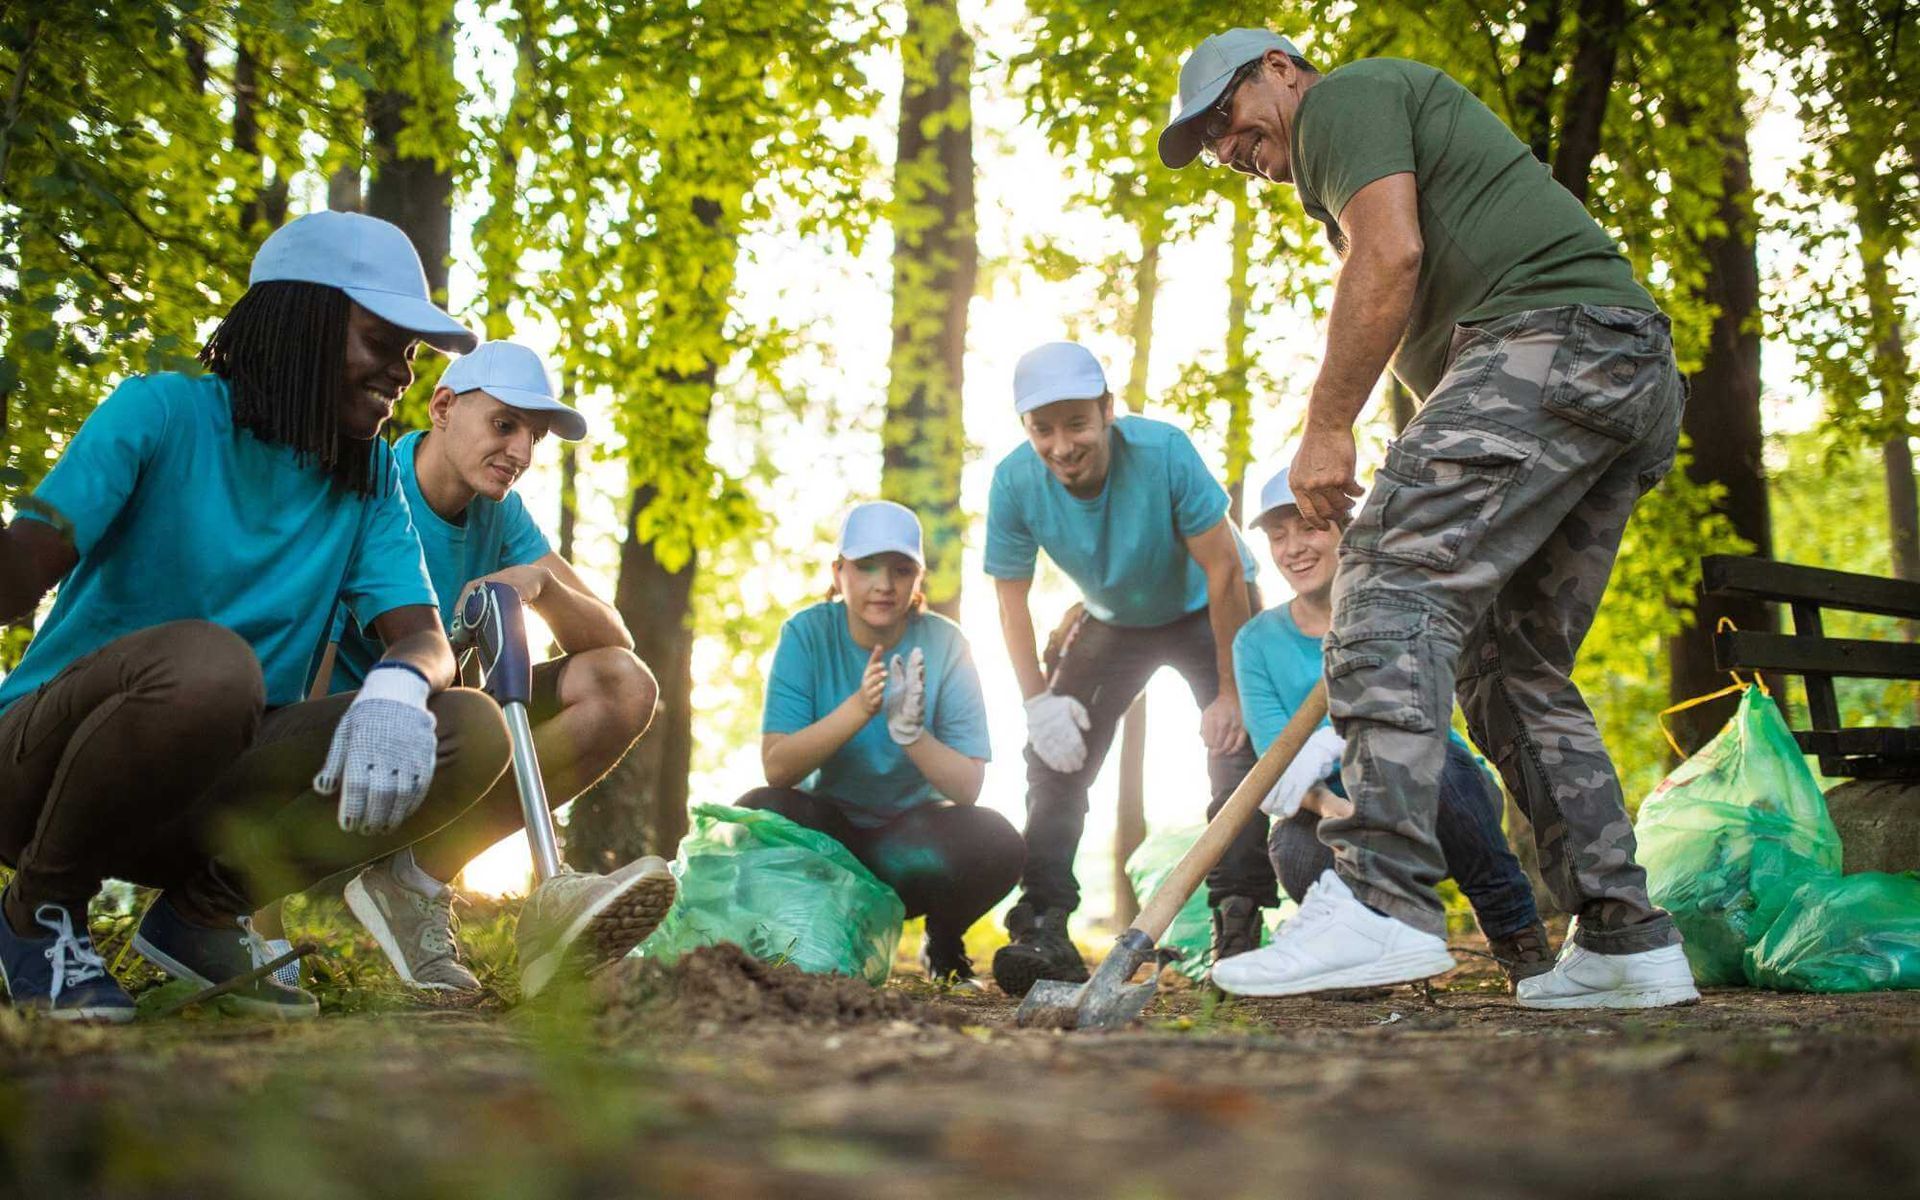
(496,534)
(818,665)
(1126,547)
(178,515)
(1275,665)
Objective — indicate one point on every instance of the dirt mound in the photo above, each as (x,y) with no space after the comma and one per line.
(723,986)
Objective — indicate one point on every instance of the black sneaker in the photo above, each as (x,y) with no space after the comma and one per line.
(1523,954)
(213,956)
(944,957)
(1236,927)
(59,975)
(1040,950)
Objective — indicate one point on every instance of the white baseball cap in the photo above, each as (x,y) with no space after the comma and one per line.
(368,259)
(881,527)
(1277,493)
(515,376)
(1054,372)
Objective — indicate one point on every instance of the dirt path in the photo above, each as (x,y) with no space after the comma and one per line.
(730,1083)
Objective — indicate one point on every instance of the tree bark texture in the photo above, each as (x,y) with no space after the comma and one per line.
(414,193)
(1533,77)
(1723,421)
(935,266)
(1590,81)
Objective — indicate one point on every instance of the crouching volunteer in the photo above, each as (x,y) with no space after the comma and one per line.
(491,409)
(875,734)
(200,529)
(1128,510)
(1277,659)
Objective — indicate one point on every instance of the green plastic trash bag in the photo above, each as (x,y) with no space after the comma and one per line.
(781,892)
(1728,836)
(1192,930)
(1857,933)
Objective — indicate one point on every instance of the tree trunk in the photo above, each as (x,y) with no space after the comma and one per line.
(569,497)
(1723,421)
(935,263)
(1596,50)
(641,806)
(344,193)
(1130,813)
(1533,83)
(1239,391)
(414,193)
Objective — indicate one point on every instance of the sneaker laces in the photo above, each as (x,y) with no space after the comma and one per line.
(72,954)
(437,931)
(1317,906)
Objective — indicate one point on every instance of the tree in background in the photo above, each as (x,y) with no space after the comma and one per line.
(935,264)
(666,133)
(1859,64)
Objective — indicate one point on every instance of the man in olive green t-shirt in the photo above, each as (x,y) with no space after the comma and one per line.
(1551,403)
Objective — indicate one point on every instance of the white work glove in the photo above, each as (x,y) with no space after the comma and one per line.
(907,697)
(1317,760)
(1054,726)
(381,758)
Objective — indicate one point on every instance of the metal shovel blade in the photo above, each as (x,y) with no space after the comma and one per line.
(1106,1001)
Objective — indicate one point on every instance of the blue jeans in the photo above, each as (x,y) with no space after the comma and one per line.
(1468,827)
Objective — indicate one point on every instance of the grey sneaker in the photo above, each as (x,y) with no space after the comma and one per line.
(415,931)
(583,922)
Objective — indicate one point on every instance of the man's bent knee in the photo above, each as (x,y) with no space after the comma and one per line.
(618,684)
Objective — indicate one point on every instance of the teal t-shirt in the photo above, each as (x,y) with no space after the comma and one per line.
(818,665)
(494,535)
(1275,665)
(1126,547)
(1500,234)
(178,515)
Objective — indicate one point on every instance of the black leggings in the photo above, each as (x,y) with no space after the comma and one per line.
(950,862)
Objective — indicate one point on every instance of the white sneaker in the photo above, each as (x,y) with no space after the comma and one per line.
(1583,979)
(1335,942)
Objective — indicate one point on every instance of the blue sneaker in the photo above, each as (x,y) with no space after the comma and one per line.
(211,956)
(59,974)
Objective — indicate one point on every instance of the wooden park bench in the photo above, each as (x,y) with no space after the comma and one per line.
(1818,659)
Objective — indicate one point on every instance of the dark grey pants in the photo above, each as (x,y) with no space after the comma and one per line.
(1105,667)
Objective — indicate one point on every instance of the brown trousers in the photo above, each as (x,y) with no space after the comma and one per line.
(154,760)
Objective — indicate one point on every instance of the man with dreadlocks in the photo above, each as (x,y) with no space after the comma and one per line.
(202,530)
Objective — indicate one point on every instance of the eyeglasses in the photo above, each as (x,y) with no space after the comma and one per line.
(1218,121)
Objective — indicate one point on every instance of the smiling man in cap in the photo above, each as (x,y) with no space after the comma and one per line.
(1551,403)
(491,410)
(1127,508)
(202,529)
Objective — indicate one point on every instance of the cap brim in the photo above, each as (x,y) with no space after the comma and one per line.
(418,317)
(859,551)
(1053,395)
(1253,522)
(567,422)
(1180,140)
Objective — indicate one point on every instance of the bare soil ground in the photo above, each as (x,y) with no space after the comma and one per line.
(723,1077)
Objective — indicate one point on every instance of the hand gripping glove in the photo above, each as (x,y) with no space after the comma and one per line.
(381,758)
(1054,726)
(1316,762)
(907,697)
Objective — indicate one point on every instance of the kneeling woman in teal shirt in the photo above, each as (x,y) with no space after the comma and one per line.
(875,734)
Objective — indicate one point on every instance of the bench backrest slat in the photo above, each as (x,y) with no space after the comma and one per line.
(1762,579)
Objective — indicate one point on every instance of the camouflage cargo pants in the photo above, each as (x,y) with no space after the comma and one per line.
(1476,564)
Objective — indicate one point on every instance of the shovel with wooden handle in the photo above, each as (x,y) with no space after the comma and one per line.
(1109,999)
